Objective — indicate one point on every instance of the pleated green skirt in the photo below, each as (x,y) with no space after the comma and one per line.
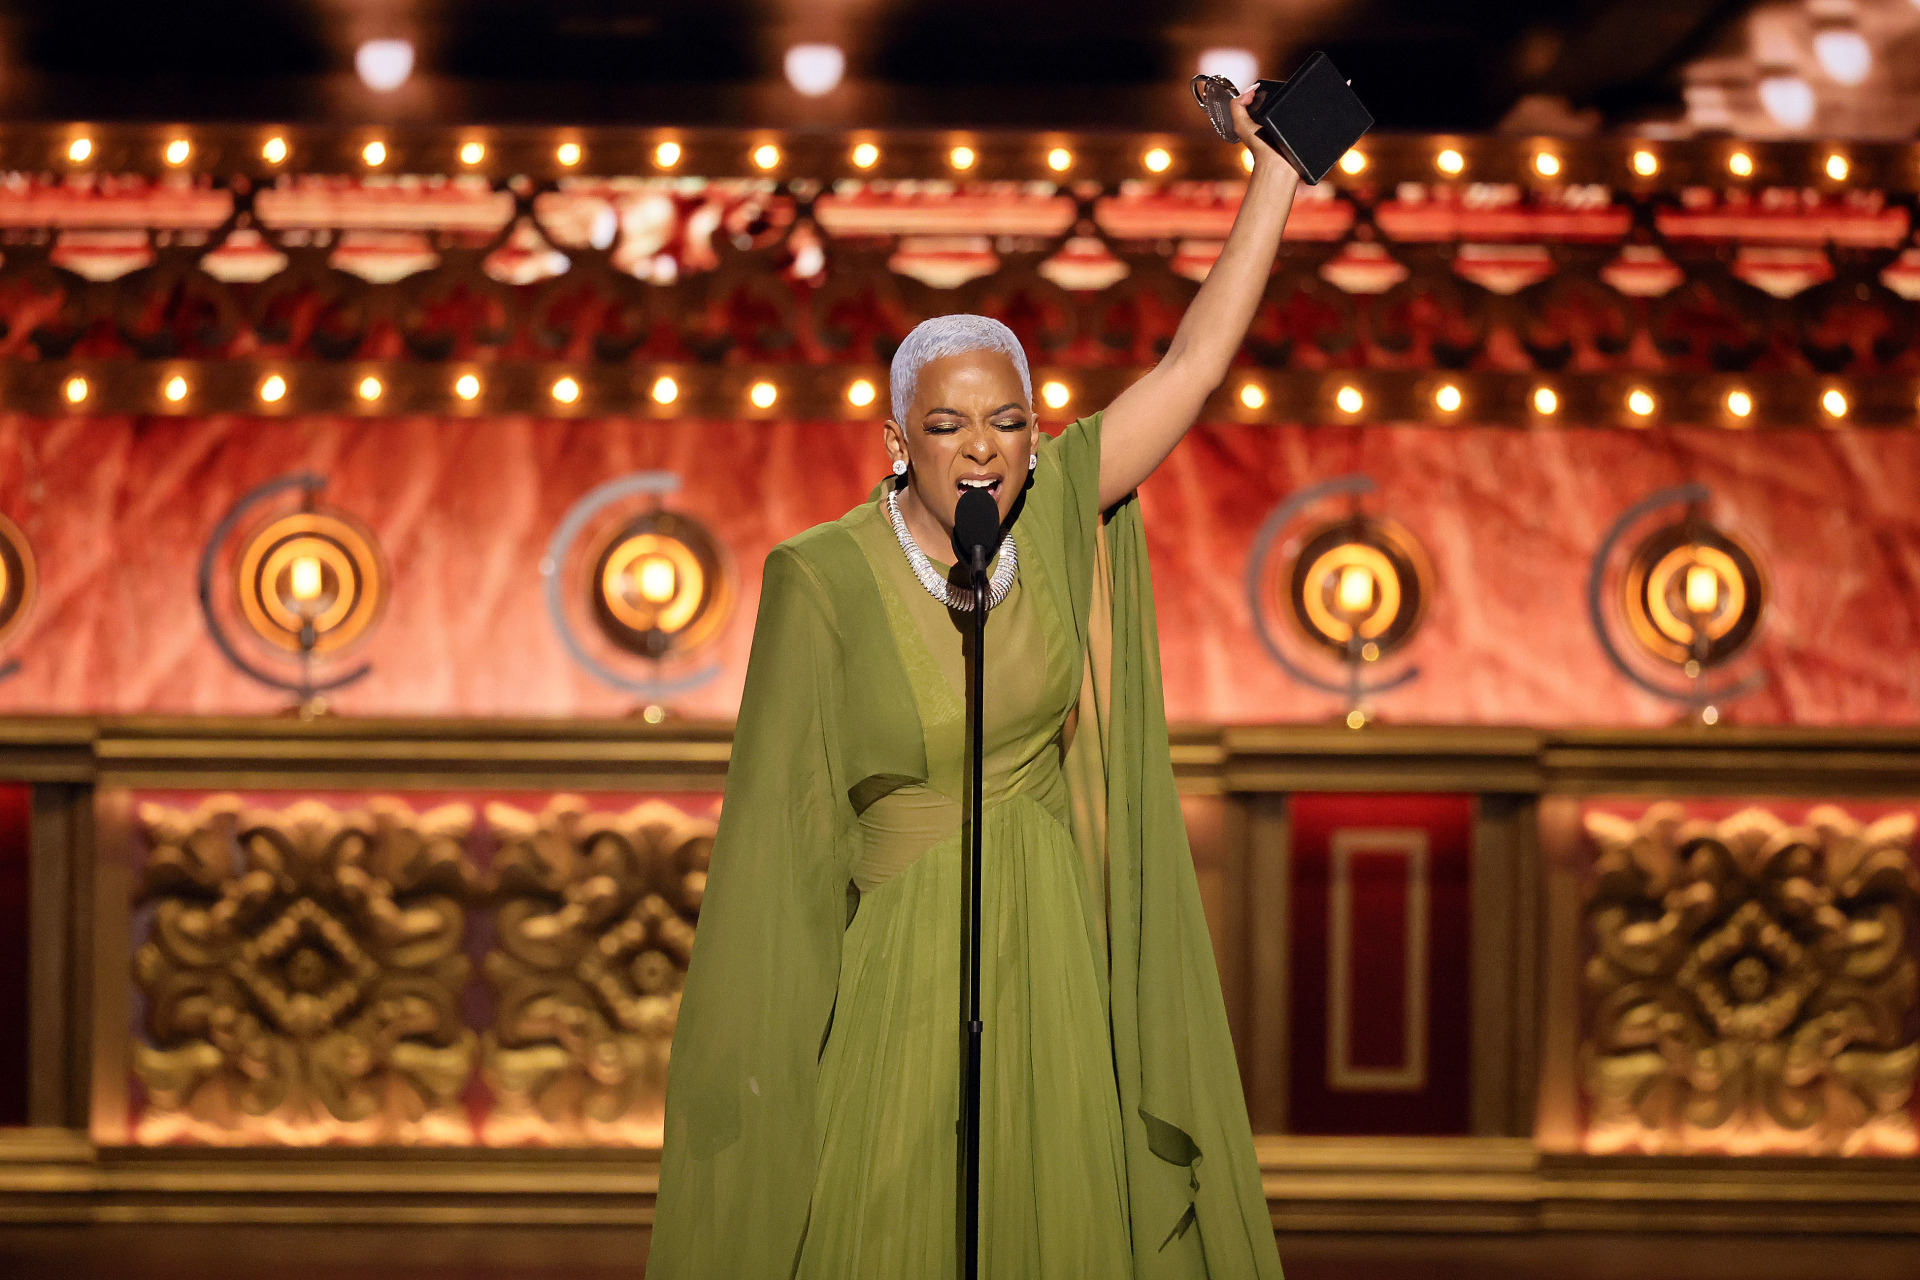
(1052,1193)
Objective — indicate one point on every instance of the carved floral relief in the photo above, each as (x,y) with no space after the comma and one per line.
(594,927)
(302,973)
(1752,984)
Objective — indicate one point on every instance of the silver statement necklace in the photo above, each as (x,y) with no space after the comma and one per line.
(938,587)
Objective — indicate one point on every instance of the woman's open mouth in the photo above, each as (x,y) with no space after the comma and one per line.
(990,483)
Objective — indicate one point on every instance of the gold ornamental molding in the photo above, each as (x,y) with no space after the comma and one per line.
(1751,987)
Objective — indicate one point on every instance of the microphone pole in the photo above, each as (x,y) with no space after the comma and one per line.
(976,532)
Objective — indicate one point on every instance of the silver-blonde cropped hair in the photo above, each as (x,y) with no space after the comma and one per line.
(944,336)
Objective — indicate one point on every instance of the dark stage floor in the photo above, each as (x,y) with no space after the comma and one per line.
(588,1253)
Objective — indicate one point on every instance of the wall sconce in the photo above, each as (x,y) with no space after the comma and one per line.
(308,583)
(1352,589)
(19,586)
(656,585)
(1690,597)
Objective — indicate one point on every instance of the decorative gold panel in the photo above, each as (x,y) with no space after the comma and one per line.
(594,929)
(303,972)
(1752,986)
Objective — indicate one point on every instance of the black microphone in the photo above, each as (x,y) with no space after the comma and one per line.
(976,529)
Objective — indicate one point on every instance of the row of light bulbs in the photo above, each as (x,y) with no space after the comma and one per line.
(1448,397)
(766,157)
(1640,402)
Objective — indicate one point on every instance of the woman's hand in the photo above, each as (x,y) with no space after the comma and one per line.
(1141,426)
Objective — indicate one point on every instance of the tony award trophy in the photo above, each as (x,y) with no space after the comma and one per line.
(1311,119)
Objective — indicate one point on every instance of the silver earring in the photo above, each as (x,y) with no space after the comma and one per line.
(1033,460)
(899,466)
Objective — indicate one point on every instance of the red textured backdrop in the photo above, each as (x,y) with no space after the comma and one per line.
(118,508)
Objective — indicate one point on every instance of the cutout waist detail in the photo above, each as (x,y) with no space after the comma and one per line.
(898,827)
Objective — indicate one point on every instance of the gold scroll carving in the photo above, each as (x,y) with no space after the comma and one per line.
(1752,985)
(302,974)
(594,928)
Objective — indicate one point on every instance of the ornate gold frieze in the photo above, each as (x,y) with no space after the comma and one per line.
(302,973)
(1752,985)
(594,927)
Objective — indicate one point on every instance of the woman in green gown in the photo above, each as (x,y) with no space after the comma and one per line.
(813,1096)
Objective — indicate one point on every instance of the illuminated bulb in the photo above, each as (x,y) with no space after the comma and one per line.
(665,390)
(466,386)
(176,389)
(1350,400)
(762,394)
(472,152)
(1545,402)
(274,389)
(1789,100)
(76,390)
(384,65)
(79,149)
(274,150)
(1353,161)
(370,388)
(961,157)
(1157,160)
(178,150)
(1835,403)
(1837,167)
(766,156)
(1356,719)
(1739,403)
(1546,164)
(1703,588)
(1709,715)
(304,580)
(865,156)
(1447,399)
(1640,402)
(1645,163)
(1054,394)
(656,579)
(815,69)
(1253,397)
(667,155)
(1843,54)
(566,391)
(1355,590)
(1059,159)
(1740,164)
(374,153)
(1450,161)
(1246,159)
(861,393)
(567,153)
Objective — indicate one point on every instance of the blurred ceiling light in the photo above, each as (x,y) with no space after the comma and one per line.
(1059,159)
(1843,54)
(1788,99)
(1546,164)
(472,152)
(667,155)
(374,153)
(1837,167)
(178,150)
(1157,160)
(1740,164)
(384,65)
(766,156)
(961,157)
(1645,163)
(568,153)
(79,149)
(1450,161)
(1354,161)
(865,156)
(274,150)
(815,69)
(665,390)
(1055,395)
(1237,65)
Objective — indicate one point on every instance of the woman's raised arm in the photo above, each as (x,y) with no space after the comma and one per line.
(1141,426)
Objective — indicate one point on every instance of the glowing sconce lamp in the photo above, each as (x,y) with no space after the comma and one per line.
(308,584)
(1351,590)
(638,591)
(1689,598)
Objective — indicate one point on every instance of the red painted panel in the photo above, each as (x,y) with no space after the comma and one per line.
(1380,947)
(16,816)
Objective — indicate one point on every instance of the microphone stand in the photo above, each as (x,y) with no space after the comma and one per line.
(970,1096)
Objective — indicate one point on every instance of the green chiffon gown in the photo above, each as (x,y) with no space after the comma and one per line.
(814,1086)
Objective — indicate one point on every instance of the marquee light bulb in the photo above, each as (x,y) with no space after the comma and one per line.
(667,155)
(384,65)
(1059,159)
(766,156)
(1055,395)
(1354,161)
(861,393)
(176,389)
(1448,398)
(865,156)
(568,154)
(374,153)
(1450,162)
(303,579)
(1253,397)
(178,150)
(1739,404)
(1740,164)
(1157,160)
(762,394)
(1834,402)
(370,388)
(1350,400)
(274,149)
(1837,167)
(665,390)
(1640,403)
(1545,402)
(1355,589)
(472,153)
(75,390)
(79,149)
(1546,164)
(566,390)
(466,386)
(1645,163)
(274,389)
(1702,588)
(961,157)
